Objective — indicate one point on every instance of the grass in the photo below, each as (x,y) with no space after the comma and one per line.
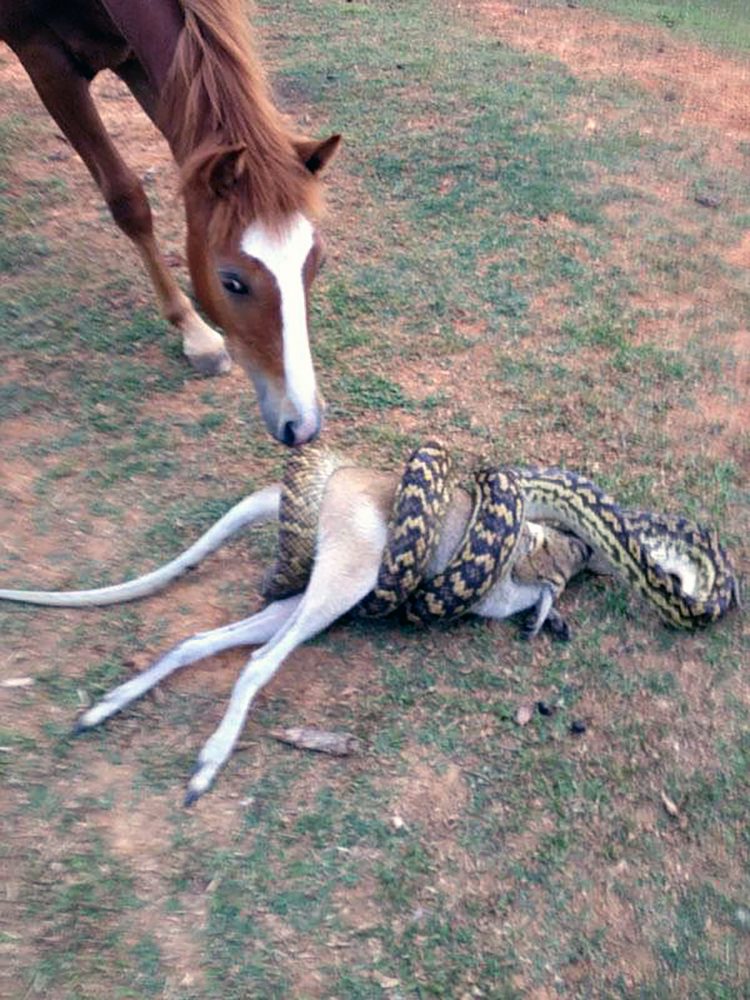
(718,22)
(534,290)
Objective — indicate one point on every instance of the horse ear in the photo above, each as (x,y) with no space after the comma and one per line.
(316,154)
(221,170)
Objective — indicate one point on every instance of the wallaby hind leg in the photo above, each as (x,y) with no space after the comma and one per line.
(345,570)
(258,628)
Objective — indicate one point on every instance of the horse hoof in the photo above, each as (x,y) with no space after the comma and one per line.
(216,363)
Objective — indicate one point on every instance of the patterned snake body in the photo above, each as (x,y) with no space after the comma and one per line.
(679,566)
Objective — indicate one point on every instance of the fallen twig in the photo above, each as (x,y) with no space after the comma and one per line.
(310,738)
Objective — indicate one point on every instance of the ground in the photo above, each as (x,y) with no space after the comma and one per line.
(538,248)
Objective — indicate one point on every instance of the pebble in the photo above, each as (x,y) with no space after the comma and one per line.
(708,200)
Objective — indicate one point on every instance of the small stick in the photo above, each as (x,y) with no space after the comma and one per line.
(320,740)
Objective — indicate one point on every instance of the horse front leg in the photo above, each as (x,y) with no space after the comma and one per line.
(202,345)
(65,94)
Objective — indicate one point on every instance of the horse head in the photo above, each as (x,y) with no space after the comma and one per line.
(253,260)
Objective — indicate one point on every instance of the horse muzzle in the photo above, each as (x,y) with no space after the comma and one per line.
(300,431)
(290,423)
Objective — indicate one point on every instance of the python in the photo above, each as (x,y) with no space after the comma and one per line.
(341,525)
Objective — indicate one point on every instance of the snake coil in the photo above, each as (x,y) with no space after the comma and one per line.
(679,566)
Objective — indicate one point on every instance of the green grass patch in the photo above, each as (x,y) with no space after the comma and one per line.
(718,22)
(504,276)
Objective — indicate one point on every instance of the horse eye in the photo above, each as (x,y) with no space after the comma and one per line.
(234,285)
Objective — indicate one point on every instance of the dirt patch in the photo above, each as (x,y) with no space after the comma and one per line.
(739,255)
(434,796)
(138,831)
(719,422)
(430,793)
(711,88)
(705,90)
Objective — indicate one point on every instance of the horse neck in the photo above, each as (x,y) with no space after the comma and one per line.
(215,92)
(152,29)
(228,137)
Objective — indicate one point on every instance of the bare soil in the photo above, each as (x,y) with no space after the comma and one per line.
(711,88)
(712,91)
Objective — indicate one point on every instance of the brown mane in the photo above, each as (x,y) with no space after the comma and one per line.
(217,112)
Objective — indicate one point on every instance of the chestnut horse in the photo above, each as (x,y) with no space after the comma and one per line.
(250,187)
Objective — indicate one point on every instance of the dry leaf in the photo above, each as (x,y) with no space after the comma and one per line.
(669,805)
(386,982)
(17,682)
(524,714)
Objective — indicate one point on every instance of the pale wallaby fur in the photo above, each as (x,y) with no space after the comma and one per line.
(352,528)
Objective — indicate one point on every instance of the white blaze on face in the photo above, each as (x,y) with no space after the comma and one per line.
(283,255)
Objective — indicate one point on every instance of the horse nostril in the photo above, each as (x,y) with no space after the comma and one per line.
(299,432)
(288,435)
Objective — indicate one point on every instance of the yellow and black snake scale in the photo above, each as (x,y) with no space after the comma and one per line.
(306,473)
(420,504)
(656,553)
(680,567)
(488,548)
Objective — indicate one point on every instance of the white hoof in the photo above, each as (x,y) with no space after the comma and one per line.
(215,363)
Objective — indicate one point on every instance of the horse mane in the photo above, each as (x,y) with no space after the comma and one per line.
(218,113)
